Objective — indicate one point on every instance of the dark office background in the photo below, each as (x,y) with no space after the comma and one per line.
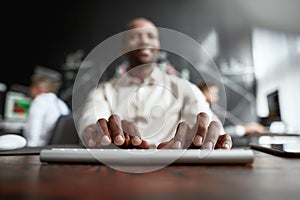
(43,33)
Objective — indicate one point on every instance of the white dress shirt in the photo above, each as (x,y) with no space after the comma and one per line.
(44,111)
(156,104)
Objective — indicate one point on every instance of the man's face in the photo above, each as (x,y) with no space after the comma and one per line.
(35,90)
(142,42)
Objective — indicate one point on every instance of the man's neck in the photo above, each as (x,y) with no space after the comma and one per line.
(141,72)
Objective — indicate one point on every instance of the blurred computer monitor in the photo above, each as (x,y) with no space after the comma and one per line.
(16,106)
(273,109)
(274,106)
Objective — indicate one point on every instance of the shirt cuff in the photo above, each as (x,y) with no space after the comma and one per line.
(240,130)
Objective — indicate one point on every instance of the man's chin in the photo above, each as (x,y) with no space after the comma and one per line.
(137,59)
(147,61)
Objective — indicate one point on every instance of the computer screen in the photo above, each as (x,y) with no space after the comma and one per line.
(274,106)
(16,106)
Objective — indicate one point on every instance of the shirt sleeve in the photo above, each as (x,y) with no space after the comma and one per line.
(196,103)
(33,130)
(96,106)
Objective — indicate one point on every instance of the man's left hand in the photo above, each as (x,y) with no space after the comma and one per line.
(204,134)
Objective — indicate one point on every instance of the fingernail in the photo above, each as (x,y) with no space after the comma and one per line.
(91,143)
(208,145)
(198,140)
(136,140)
(119,139)
(177,144)
(227,146)
(105,140)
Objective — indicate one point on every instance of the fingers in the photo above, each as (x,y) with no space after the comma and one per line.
(180,136)
(97,135)
(162,145)
(212,135)
(224,142)
(201,128)
(131,129)
(123,134)
(115,126)
(104,132)
(179,141)
(91,136)
(144,145)
(207,135)
(129,145)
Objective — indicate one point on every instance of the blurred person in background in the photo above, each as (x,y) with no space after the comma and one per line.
(46,107)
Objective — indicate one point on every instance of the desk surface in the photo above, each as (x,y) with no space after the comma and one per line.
(269,177)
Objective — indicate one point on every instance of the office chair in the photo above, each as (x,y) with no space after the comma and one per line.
(65,131)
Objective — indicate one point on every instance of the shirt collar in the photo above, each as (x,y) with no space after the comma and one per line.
(156,76)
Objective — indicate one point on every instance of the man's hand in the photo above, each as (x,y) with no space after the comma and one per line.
(204,134)
(122,133)
(254,128)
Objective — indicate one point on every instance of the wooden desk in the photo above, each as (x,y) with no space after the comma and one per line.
(269,177)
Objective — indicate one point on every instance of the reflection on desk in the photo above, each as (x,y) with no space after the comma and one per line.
(269,177)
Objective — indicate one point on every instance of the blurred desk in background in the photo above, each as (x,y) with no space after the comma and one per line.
(265,138)
(11,127)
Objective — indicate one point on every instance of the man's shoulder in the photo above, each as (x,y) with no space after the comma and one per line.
(45,97)
(43,100)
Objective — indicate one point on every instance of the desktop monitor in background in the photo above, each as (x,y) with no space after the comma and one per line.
(274,106)
(276,125)
(16,106)
(3,88)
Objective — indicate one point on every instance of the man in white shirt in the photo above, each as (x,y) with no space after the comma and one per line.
(44,111)
(146,108)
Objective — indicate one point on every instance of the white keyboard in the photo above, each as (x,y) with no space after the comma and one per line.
(147,157)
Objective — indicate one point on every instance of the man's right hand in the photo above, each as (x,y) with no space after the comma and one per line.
(122,133)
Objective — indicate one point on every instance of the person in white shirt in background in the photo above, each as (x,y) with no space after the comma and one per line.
(211,92)
(147,108)
(45,108)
